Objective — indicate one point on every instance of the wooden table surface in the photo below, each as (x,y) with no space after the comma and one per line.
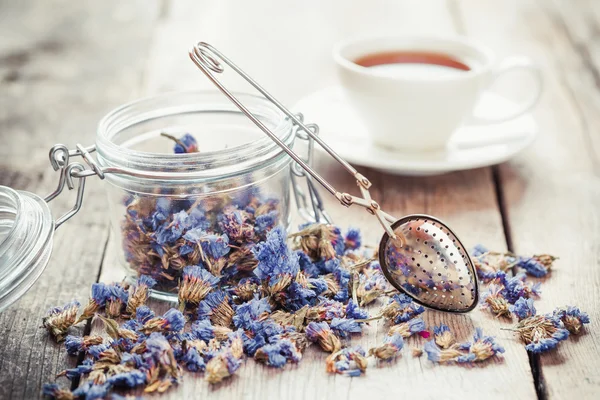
(64,64)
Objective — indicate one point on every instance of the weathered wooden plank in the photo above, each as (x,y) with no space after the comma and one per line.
(552,191)
(271,41)
(62,65)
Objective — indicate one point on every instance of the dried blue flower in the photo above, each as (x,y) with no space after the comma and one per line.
(343,327)
(572,318)
(172,321)
(321,333)
(75,344)
(116,299)
(350,361)
(139,296)
(197,283)
(438,355)
(326,310)
(249,312)
(215,246)
(517,286)
(389,349)
(354,311)
(216,306)
(319,241)
(161,357)
(59,319)
(227,361)
(96,350)
(443,336)
(53,391)
(130,379)
(265,222)
(533,267)
(523,308)
(408,328)
(353,239)
(205,330)
(143,314)
(483,347)
(296,296)
(277,265)
(493,299)
(401,308)
(74,373)
(541,333)
(318,285)
(185,144)
(90,391)
(278,353)
(193,360)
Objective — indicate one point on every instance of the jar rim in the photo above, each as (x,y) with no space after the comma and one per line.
(203,164)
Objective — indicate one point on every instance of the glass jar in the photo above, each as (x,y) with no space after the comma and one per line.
(225,198)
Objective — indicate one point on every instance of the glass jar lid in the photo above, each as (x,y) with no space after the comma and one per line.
(26,232)
(132,136)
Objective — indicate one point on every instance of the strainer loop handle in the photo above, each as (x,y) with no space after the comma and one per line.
(210,60)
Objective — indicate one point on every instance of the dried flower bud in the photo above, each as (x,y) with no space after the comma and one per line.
(222,366)
(494,300)
(541,332)
(246,289)
(100,293)
(140,294)
(417,352)
(53,391)
(350,361)
(406,329)
(401,308)
(172,321)
(321,333)
(59,319)
(319,241)
(197,283)
(75,344)
(573,318)
(439,355)
(216,306)
(443,336)
(389,349)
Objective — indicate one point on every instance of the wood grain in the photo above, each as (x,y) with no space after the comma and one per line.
(62,65)
(466,200)
(552,191)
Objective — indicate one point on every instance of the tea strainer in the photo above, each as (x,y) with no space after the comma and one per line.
(419,254)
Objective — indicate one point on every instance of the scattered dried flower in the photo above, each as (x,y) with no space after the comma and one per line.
(572,317)
(443,336)
(350,361)
(139,296)
(59,319)
(406,329)
(389,349)
(321,333)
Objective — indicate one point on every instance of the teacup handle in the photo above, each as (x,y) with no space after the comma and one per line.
(510,64)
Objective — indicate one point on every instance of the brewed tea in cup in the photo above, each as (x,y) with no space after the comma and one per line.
(413,93)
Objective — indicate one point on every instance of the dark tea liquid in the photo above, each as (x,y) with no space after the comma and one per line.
(413,63)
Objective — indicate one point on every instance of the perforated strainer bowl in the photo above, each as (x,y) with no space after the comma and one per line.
(430,265)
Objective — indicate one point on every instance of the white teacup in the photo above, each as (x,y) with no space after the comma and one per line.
(410,107)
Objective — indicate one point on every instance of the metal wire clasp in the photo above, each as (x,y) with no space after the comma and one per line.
(59,159)
(209,60)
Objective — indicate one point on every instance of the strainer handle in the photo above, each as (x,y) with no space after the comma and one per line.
(208,59)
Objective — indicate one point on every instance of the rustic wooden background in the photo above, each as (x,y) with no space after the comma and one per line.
(64,64)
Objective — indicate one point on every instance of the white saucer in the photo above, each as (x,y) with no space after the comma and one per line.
(470,147)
